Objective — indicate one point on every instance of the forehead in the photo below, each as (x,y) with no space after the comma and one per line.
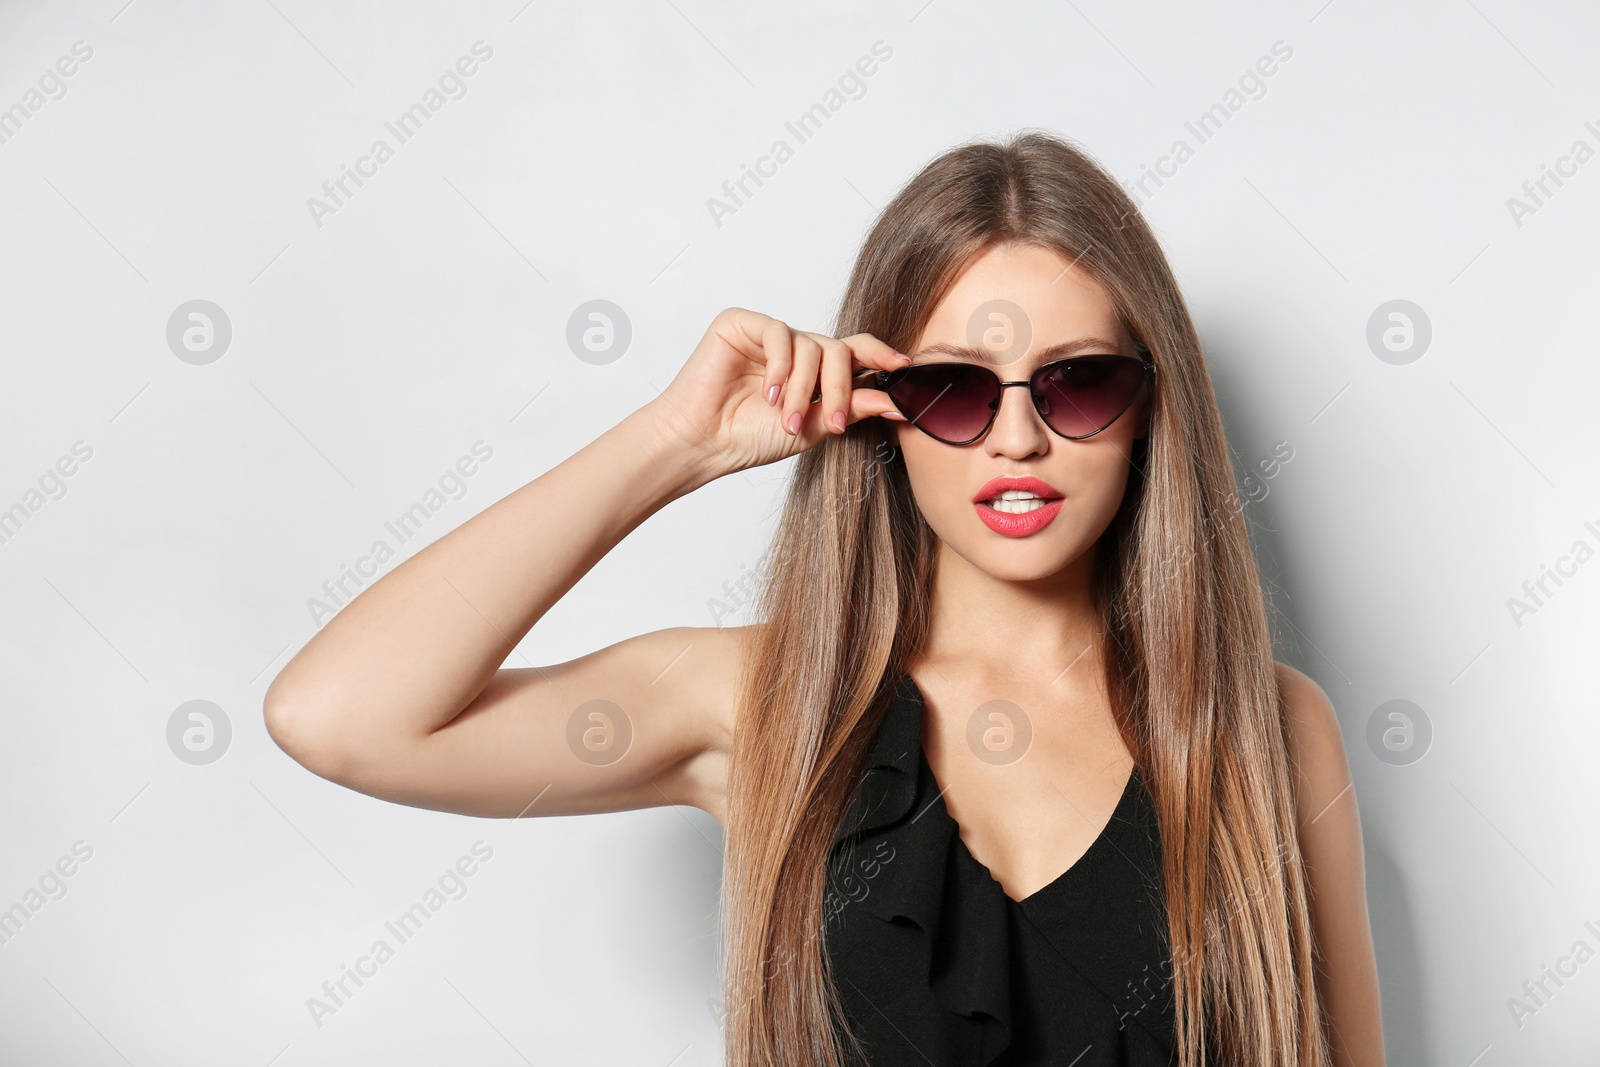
(1012,302)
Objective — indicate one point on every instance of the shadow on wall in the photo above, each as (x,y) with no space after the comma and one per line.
(1391,909)
(1400,973)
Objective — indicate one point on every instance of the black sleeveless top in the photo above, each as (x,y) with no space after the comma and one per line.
(935,965)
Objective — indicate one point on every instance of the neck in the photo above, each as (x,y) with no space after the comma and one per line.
(1041,632)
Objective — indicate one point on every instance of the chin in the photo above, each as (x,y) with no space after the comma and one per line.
(1023,559)
(1011,571)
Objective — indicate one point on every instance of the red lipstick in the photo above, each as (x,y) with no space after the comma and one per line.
(1019,518)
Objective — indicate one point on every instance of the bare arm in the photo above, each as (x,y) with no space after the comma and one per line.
(402,696)
(1330,839)
(367,700)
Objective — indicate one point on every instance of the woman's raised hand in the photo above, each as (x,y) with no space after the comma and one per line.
(743,399)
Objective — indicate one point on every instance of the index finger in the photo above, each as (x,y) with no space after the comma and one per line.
(871,352)
(869,356)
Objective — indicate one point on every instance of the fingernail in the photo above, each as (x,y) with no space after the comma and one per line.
(838,421)
(772,395)
(794,423)
(903,356)
(895,415)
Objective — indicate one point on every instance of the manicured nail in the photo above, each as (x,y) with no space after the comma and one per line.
(895,415)
(838,421)
(794,423)
(772,395)
(902,355)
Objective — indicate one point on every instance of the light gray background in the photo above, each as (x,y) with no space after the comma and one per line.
(430,312)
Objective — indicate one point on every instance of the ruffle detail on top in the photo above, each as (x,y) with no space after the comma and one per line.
(925,882)
(897,858)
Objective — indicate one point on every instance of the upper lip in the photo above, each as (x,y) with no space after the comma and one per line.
(995,486)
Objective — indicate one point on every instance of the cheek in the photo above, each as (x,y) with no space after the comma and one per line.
(1101,477)
(1100,488)
(932,468)
(938,475)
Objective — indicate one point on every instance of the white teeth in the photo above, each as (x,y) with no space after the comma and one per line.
(1017,502)
(1020,506)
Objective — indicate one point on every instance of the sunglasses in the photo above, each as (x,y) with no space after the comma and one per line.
(956,403)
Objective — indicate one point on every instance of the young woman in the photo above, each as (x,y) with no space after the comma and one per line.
(1007,771)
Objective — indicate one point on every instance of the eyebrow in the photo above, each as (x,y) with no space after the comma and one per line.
(1059,351)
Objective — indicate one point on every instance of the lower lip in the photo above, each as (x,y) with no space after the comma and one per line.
(1010,525)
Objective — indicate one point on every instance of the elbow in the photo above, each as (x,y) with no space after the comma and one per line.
(302,733)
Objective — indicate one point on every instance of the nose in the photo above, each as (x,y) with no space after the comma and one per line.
(1018,432)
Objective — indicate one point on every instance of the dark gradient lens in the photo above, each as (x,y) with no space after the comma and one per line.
(950,401)
(1081,396)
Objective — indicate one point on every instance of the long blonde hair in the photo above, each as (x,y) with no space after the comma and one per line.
(1189,660)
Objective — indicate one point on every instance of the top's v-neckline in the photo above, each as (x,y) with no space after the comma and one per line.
(1101,840)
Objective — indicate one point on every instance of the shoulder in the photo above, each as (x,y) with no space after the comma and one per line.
(1310,712)
(1329,836)
(1316,744)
